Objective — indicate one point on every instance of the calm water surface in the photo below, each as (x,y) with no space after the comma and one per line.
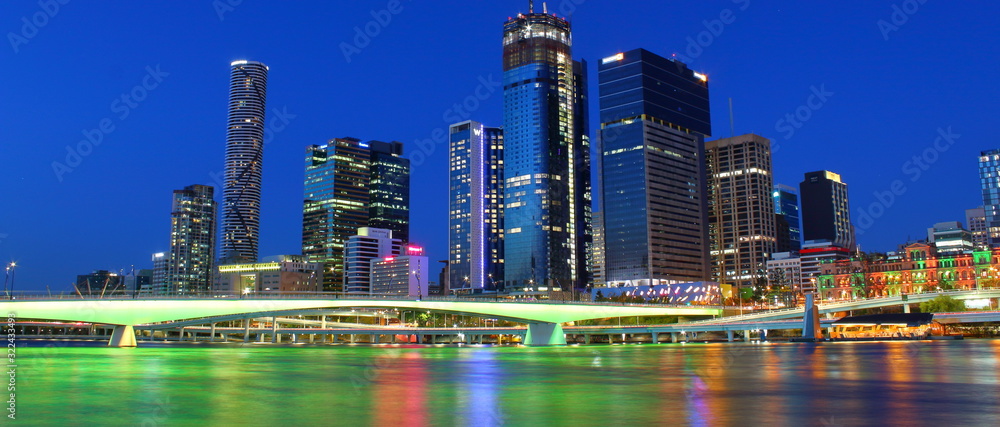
(847,384)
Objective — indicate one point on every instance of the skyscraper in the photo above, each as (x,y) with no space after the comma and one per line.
(654,117)
(542,151)
(826,213)
(786,209)
(244,153)
(389,189)
(475,224)
(989,177)
(335,204)
(192,241)
(741,208)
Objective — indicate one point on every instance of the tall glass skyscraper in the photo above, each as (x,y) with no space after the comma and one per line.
(389,189)
(544,222)
(654,117)
(335,205)
(826,213)
(244,152)
(476,222)
(989,177)
(786,209)
(192,242)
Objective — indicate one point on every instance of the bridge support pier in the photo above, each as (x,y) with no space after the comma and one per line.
(212,336)
(274,330)
(729,335)
(122,336)
(906,308)
(246,330)
(545,334)
(656,338)
(746,336)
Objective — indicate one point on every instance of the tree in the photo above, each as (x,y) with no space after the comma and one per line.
(942,304)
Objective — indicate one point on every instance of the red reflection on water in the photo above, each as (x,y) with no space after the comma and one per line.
(399,393)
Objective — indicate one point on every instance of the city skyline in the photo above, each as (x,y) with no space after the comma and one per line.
(105,172)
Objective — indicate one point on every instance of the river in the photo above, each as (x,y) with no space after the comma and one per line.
(828,384)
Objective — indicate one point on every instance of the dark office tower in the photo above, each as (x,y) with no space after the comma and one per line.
(389,189)
(741,208)
(786,209)
(989,178)
(244,151)
(584,196)
(543,189)
(192,241)
(654,117)
(335,205)
(826,215)
(475,220)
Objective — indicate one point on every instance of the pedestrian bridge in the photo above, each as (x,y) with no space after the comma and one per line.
(544,318)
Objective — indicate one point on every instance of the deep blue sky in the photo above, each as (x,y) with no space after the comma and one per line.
(889,99)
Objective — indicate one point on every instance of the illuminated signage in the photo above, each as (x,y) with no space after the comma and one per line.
(701,77)
(613,58)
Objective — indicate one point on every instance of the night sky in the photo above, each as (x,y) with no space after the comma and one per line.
(887,92)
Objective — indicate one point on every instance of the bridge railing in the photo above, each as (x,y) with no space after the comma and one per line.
(49,296)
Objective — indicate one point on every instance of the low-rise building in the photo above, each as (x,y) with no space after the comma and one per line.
(401,275)
(278,274)
(813,255)
(697,293)
(784,276)
(101,283)
(918,268)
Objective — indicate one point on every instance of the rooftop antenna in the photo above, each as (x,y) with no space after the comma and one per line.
(732,126)
(531,6)
(545,8)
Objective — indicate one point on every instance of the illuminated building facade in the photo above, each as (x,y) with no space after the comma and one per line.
(389,189)
(950,238)
(335,205)
(918,268)
(279,274)
(814,254)
(192,241)
(476,222)
(598,269)
(361,250)
(688,293)
(741,209)
(654,118)
(546,229)
(788,227)
(401,275)
(244,155)
(989,177)
(975,219)
(826,213)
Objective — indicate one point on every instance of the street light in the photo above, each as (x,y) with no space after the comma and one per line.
(10,268)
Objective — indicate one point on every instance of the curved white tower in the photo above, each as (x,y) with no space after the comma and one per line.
(244,152)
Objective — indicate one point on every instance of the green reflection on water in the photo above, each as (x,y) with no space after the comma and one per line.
(714,384)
